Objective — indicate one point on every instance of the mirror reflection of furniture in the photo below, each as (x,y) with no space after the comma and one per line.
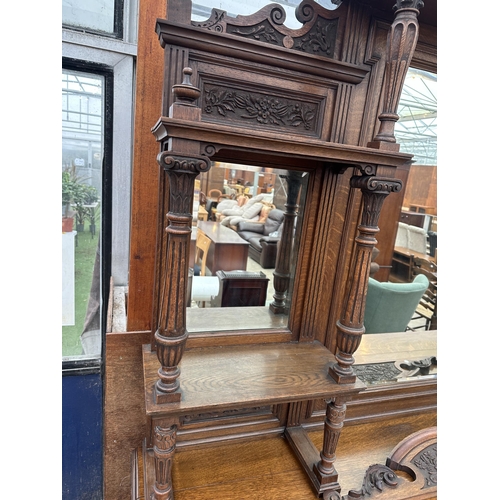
(262,239)
(432,235)
(228,251)
(201,253)
(411,242)
(391,306)
(203,289)
(427,307)
(215,194)
(202,213)
(243,207)
(241,289)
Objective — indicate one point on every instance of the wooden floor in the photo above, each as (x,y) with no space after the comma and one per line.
(268,470)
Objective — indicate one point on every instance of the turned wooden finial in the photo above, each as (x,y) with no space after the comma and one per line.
(186,93)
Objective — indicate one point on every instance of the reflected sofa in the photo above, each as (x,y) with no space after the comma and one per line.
(263,237)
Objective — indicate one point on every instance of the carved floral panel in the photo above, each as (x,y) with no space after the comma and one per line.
(257,109)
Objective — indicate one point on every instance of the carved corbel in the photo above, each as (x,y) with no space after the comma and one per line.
(350,327)
(401,43)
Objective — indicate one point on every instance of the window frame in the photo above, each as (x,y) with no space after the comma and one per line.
(118,24)
(95,363)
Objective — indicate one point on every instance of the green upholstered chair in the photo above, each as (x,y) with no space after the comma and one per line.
(390,306)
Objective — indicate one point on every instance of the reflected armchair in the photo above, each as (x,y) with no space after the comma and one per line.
(390,306)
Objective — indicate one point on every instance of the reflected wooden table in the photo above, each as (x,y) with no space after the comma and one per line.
(228,251)
(202,214)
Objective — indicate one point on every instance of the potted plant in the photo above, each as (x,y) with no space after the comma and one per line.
(78,199)
(68,188)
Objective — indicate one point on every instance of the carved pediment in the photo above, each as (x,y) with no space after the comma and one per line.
(318,35)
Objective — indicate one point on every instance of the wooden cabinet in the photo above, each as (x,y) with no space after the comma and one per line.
(282,101)
(414,219)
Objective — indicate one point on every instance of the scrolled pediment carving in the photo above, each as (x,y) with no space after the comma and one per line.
(317,35)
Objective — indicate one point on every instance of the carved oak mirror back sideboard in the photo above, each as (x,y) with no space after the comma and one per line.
(317,102)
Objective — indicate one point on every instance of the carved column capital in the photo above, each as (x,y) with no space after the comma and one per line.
(192,164)
(408,4)
(374,190)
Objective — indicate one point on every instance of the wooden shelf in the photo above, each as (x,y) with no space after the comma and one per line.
(240,376)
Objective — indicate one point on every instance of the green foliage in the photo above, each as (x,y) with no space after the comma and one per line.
(77,194)
(83,196)
(89,194)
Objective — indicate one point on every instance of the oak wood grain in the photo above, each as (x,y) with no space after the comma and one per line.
(124,411)
(381,347)
(268,469)
(236,377)
(149,91)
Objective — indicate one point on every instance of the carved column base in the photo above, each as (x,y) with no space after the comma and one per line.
(166,397)
(277,309)
(341,377)
(169,351)
(342,371)
(384,146)
(327,481)
(162,495)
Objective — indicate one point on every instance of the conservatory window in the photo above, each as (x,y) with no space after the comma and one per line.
(82,145)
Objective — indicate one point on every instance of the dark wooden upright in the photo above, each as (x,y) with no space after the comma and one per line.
(251,90)
(285,245)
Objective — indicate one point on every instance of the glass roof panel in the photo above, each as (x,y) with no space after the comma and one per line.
(416,129)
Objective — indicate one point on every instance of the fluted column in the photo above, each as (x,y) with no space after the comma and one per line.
(334,421)
(171,334)
(163,450)
(401,43)
(285,245)
(350,327)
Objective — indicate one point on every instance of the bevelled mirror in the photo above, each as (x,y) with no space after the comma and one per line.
(247,222)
